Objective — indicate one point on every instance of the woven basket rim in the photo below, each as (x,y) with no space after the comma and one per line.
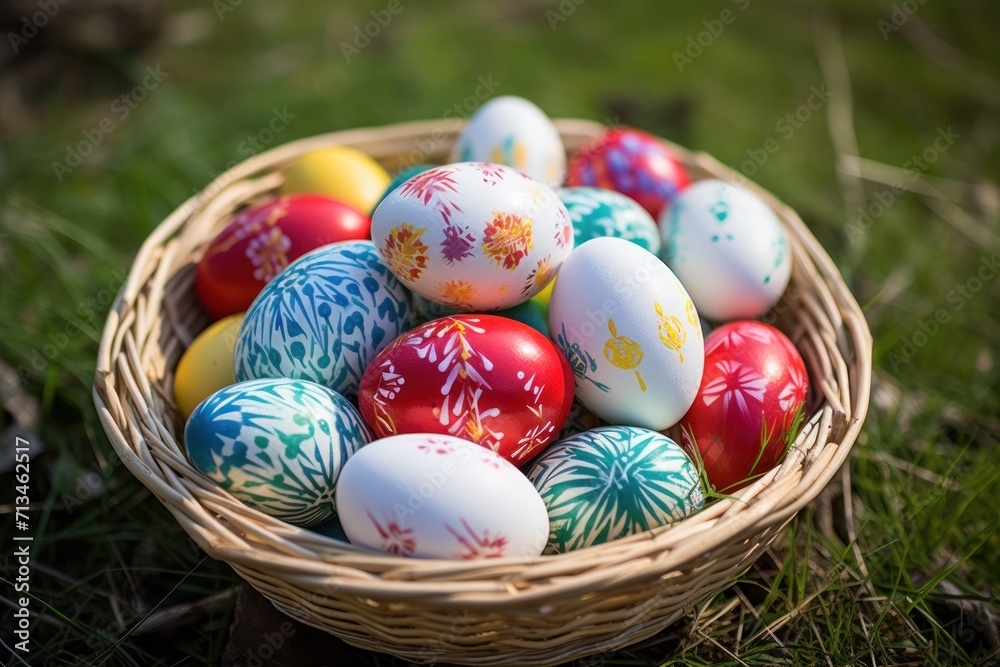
(129,406)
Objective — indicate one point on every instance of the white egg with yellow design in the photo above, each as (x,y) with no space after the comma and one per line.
(630,332)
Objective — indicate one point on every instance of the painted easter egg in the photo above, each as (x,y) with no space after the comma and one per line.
(207,365)
(277,445)
(635,164)
(597,212)
(260,242)
(403,177)
(630,332)
(512,131)
(324,318)
(436,496)
(613,481)
(755,383)
(727,245)
(473,235)
(485,378)
(343,173)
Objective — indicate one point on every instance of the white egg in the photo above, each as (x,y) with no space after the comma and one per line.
(630,332)
(511,130)
(473,235)
(437,496)
(729,249)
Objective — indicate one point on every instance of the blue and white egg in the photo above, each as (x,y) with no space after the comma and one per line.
(729,248)
(512,131)
(597,212)
(613,481)
(324,318)
(277,445)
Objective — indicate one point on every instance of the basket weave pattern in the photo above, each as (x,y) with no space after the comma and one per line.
(504,611)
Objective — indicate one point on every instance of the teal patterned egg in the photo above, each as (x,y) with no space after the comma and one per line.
(597,212)
(277,445)
(324,318)
(613,481)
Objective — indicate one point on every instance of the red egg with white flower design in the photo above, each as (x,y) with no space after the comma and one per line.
(263,240)
(753,385)
(484,378)
(635,164)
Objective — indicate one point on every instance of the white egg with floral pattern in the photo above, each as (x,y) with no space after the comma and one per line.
(427,495)
(475,236)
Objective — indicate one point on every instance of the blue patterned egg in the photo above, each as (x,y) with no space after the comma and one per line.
(324,318)
(277,445)
(613,481)
(598,212)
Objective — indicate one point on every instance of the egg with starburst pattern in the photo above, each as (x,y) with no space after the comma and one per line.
(613,481)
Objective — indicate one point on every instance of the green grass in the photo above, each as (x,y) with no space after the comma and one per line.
(924,476)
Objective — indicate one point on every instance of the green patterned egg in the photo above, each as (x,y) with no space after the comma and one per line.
(597,212)
(613,481)
(277,445)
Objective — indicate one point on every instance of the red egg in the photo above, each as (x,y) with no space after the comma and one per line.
(263,240)
(753,385)
(635,164)
(485,378)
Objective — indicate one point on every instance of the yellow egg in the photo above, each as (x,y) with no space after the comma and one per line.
(546,294)
(207,365)
(342,173)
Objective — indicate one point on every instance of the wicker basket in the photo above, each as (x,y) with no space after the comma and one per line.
(540,611)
